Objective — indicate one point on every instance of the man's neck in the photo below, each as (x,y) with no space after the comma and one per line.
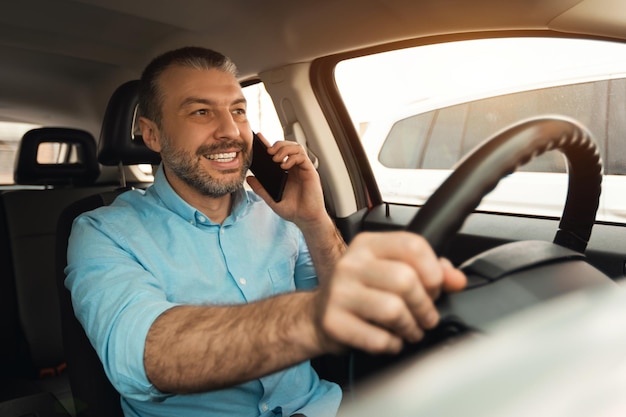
(216,209)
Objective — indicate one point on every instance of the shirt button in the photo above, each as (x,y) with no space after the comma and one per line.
(264,407)
(242,281)
(201,219)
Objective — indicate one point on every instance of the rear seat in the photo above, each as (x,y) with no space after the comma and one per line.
(120,145)
(31,354)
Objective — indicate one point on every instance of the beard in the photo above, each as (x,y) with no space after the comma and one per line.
(187,166)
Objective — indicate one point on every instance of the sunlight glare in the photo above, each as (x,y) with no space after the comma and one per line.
(372,88)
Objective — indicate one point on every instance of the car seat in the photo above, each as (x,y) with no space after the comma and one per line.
(94,395)
(31,356)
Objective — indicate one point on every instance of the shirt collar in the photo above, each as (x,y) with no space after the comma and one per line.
(171,200)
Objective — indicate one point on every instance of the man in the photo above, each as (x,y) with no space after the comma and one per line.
(202,298)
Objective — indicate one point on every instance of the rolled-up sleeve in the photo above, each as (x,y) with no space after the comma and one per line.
(116,300)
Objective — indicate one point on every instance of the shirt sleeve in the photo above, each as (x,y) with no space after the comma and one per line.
(116,300)
(305,276)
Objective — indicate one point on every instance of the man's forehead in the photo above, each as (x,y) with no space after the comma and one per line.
(182,83)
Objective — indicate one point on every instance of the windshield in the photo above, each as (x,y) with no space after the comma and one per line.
(420,110)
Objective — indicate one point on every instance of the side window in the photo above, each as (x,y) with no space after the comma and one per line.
(446,139)
(10,135)
(420,110)
(262,113)
(406,141)
(615,145)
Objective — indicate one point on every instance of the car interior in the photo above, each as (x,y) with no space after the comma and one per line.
(69,144)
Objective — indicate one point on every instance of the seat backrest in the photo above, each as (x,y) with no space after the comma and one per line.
(29,217)
(120,140)
(12,349)
(81,167)
(94,396)
(119,145)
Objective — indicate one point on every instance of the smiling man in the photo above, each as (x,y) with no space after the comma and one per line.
(204,299)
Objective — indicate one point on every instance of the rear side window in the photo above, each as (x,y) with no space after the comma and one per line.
(438,138)
(10,135)
(420,110)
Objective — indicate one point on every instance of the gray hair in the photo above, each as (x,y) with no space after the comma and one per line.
(150,96)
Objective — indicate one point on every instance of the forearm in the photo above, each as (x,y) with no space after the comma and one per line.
(201,348)
(326,246)
(303,204)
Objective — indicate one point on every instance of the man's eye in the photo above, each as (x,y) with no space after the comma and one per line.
(201,112)
(239,111)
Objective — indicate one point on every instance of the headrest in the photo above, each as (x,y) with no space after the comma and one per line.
(81,169)
(120,141)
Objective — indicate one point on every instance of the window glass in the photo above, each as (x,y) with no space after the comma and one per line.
(57,153)
(420,110)
(10,135)
(262,113)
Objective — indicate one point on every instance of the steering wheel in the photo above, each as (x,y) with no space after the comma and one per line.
(534,270)
(517,275)
(510,277)
(481,170)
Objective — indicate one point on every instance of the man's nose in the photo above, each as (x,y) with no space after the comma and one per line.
(227,127)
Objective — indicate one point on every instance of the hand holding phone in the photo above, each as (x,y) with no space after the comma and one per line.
(269,173)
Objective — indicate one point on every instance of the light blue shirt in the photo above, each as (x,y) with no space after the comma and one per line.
(150,251)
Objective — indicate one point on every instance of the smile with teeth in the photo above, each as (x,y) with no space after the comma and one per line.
(222,157)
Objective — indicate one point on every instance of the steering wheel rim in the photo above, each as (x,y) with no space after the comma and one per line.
(480,171)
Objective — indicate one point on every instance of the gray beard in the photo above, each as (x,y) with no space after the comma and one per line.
(187,167)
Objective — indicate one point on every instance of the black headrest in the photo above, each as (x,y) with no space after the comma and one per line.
(120,142)
(81,169)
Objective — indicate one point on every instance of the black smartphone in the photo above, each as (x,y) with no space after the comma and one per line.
(271,176)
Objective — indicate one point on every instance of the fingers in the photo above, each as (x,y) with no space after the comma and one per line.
(350,330)
(385,308)
(392,277)
(256,186)
(387,283)
(288,154)
(411,251)
(454,280)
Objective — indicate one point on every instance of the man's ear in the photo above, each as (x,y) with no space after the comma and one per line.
(150,133)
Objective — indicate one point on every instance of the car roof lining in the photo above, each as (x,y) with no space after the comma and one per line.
(95,45)
(282,31)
